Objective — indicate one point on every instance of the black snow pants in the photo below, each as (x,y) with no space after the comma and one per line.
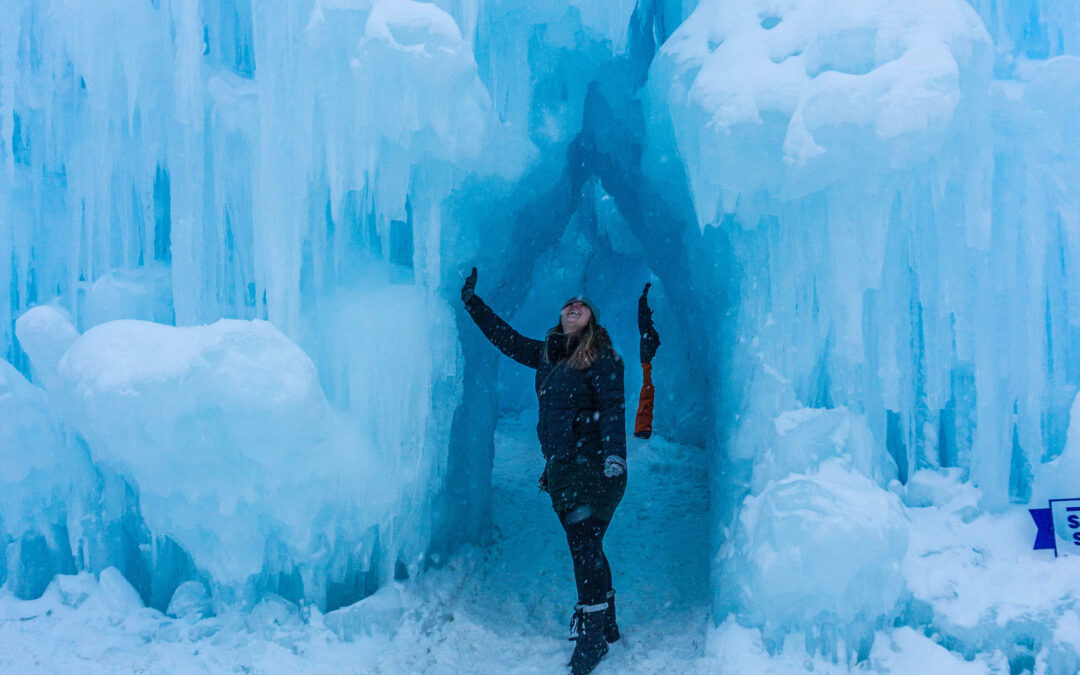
(591,569)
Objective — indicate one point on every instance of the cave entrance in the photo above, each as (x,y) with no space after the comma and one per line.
(604,229)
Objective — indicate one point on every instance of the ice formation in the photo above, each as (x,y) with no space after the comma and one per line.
(819,552)
(231,236)
(178,164)
(903,236)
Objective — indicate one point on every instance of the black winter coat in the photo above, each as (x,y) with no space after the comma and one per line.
(582,412)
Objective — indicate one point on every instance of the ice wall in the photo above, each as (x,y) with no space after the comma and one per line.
(1030,30)
(180,162)
(899,204)
(859,222)
(327,166)
(143,134)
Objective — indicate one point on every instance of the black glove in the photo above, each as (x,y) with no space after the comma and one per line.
(650,339)
(469,289)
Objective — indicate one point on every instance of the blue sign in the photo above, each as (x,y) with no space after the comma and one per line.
(1058,526)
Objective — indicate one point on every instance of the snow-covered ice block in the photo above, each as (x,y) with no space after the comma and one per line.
(943,488)
(129,294)
(397,81)
(223,429)
(906,651)
(115,593)
(819,552)
(45,333)
(190,599)
(272,615)
(226,437)
(793,96)
(27,438)
(806,437)
(375,615)
(418,49)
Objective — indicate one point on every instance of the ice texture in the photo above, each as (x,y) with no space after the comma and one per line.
(238,457)
(790,99)
(27,433)
(232,234)
(820,553)
(190,600)
(220,427)
(40,501)
(807,437)
(46,333)
(1030,30)
(890,181)
(1056,479)
(178,164)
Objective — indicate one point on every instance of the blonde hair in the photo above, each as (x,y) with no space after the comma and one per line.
(592,340)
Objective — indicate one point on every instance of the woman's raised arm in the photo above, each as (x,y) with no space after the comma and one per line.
(525,351)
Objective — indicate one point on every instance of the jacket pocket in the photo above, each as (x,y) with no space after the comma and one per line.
(562,474)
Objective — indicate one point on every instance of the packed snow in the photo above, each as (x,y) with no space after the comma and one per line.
(504,608)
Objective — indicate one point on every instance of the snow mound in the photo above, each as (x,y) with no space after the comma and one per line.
(190,600)
(943,488)
(901,652)
(223,429)
(818,552)
(45,333)
(978,585)
(377,615)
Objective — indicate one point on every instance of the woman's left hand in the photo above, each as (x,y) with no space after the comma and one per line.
(468,290)
(614,466)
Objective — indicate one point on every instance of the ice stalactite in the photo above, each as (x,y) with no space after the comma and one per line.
(904,240)
(182,162)
(1031,30)
(167,145)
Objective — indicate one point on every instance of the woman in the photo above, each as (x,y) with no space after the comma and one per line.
(582,430)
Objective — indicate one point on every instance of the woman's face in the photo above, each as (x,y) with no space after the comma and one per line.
(574,317)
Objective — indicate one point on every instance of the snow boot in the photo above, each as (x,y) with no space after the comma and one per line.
(575,623)
(591,646)
(611,628)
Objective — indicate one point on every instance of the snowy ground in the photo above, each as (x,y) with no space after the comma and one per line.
(976,588)
(501,609)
